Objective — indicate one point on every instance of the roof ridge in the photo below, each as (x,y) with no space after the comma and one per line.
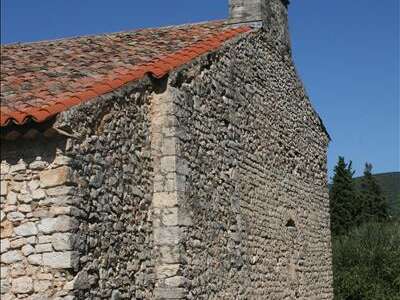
(106,34)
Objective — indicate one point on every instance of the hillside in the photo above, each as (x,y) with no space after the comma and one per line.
(390,184)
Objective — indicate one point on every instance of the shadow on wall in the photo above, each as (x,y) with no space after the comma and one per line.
(30,150)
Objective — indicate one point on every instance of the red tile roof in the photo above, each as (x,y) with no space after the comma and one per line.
(42,79)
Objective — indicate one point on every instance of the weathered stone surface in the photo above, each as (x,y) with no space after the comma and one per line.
(41,286)
(167,235)
(31,240)
(11,257)
(17,270)
(7,229)
(4,168)
(167,270)
(4,245)
(9,208)
(81,281)
(35,259)
(45,276)
(115,173)
(62,241)
(26,229)
(115,295)
(15,216)
(18,243)
(60,210)
(175,281)
(55,177)
(38,195)
(59,260)
(20,166)
(22,210)
(40,248)
(165,199)
(25,208)
(38,164)
(58,224)
(3,188)
(25,198)
(170,254)
(170,217)
(33,185)
(58,191)
(44,239)
(27,250)
(257,155)
(22,285)
(12,198)
(170,293)
(62,160)
(3,272)
(168,164)
(41,213)
(4,287)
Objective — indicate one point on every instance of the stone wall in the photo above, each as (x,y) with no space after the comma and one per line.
(272,15)
(208,185)
(256,184)
(111,155)
(75,210)
(245,11)
(37,221)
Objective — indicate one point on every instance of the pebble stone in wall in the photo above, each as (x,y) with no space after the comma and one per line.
(256,183)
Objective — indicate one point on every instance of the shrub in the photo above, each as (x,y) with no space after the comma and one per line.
(366,262)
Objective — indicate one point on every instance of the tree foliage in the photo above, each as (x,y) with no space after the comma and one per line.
(351,207)
(366,243)
(374,203)
(343,198)
(366,262)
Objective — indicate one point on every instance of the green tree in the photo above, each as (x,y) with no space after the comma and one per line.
(343,198)
(373,202)
(366,262)
(396,209)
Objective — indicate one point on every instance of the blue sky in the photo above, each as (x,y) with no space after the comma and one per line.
(347,53)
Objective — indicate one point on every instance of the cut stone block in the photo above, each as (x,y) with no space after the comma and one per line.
(22,285)
(59,260)
(55,177)
(26,229)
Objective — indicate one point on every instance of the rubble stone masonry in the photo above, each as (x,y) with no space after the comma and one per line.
(256,184)
(209,184)
(75,210)
(111,156)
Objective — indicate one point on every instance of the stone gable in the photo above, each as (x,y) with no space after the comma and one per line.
(206,182)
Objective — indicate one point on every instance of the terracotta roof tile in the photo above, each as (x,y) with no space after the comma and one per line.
(42,79)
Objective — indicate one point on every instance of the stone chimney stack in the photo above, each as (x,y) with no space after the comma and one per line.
(272,15)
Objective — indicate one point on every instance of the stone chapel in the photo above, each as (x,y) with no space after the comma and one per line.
(183,162)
